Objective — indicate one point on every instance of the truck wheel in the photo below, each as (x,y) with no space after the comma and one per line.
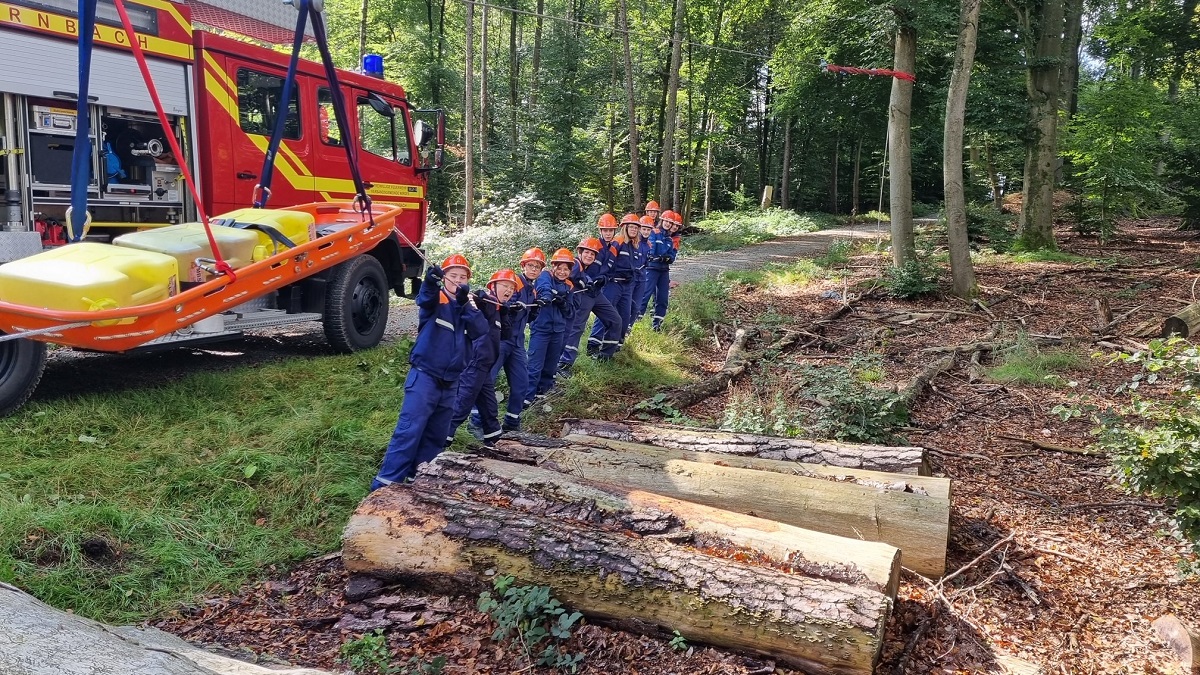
(356,304)
(21,366)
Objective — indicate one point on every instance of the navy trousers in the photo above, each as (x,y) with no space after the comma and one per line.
(476,390)
(620,296)
(545,348)
(635,307)
(607,317)
(658,286)
(421,429)
(515,361)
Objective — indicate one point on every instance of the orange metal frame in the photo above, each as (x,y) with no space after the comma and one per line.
(116,330)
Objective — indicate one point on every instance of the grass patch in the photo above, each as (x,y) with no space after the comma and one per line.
(1025,363)
(121,506)
(776,275)
(728,230)
(1045,256)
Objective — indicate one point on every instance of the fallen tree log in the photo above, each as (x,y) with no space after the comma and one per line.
(40,640)
(918,525)
(1180,640)
(907,460)
(424,536)
(1184,323)
(550,493)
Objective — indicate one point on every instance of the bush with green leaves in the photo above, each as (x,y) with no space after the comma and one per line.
(1155,441)
(369,655)
(988,227)
(915,278)
(533,620)
(727,230)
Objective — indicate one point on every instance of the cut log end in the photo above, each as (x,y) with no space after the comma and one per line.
(1181,641)
(1184,323)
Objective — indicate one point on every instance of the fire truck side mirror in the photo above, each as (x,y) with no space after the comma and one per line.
(423,134)
(380,106)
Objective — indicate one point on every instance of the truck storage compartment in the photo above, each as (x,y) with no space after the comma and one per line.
(185,243)
(89,277)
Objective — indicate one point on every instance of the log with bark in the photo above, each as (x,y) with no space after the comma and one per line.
(1184,323)
(40,640)
(1182,641)
(917,524)
(907,460)
(423,533)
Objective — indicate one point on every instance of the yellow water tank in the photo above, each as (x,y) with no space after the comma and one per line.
(89,277)
(185,243)
(299,227)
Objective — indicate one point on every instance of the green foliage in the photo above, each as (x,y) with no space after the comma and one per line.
(1045,255)
(531,619)
(776,276)
(367,655)
(678,642)
(837,254)
(1025,363)
(1183,157)
(121,505)
(695,308)
(988,227)
(1114,149)
(841,403)
(1155,443)
(914,279)
(730,230)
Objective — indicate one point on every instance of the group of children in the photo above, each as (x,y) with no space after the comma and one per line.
(465,338)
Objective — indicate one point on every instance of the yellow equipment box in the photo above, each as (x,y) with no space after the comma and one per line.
(299,227)
(89,277)
(185,243)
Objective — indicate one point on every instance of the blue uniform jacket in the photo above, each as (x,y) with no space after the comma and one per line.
(661,246)
(445,330)
(606,257)
(487,346)
(518,315)
(557,304)
(581,278)
(641,254)
(622,260)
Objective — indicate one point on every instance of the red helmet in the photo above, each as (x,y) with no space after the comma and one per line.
(646,221)
(670,216)
(456,260)
(504,275)
(563,255)
(590,244)
(652,206)
(630,218)
(607,222)
(534,255)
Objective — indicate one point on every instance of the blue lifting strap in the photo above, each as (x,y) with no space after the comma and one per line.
(262,191)
(81,157)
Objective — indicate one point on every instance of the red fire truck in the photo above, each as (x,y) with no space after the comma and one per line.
(222,96)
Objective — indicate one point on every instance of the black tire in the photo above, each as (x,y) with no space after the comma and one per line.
(21,365)
(356,305)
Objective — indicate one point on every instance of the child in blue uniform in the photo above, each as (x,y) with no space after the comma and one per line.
(547,332)
(642,257)
(476,386)
(617,255)
(663,249)
(447,323)
(587,276)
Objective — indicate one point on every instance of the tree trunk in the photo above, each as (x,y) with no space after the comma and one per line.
(833,175)
(820,458)
(668,141)
(426,536)
(1184,323)
(916,524)
(993,176)
(484,108)
(513,76)
(1072,38)
(708,159)
(362,32)
(546,492)
(854,199)
(952,152)
(1036,225)
(630,107)
(40,640)
(785,173)
(468,118)
(904,247)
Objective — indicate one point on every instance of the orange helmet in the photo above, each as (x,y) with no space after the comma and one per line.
(504,275)
(456,260)
(646,221)
(607,222)
(629,218)
(652,206)
(534,255)
(563,255)
(670,216)
(590,244)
